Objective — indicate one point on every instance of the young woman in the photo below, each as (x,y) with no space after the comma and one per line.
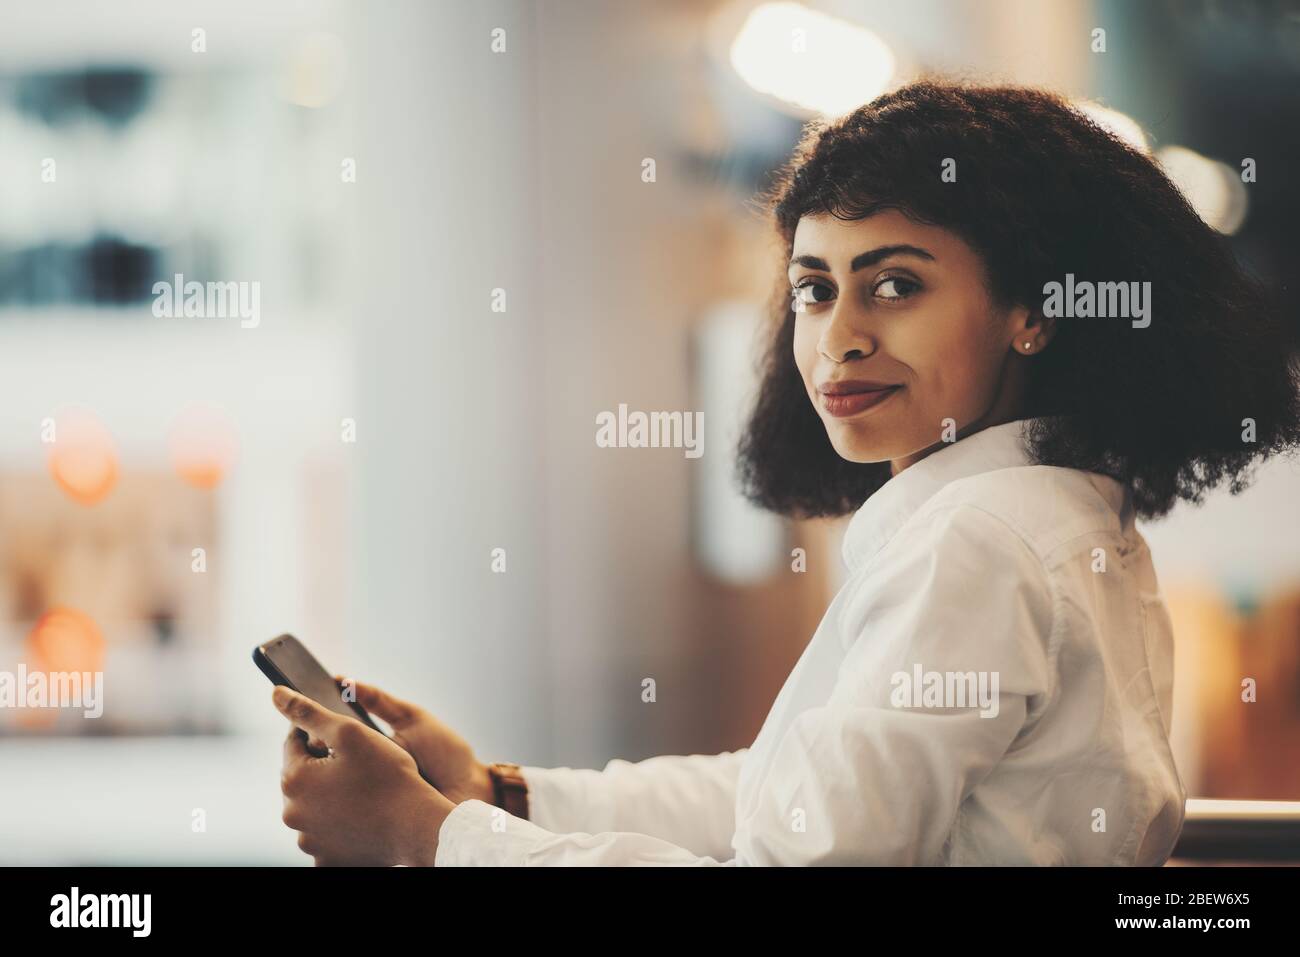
(1003,336)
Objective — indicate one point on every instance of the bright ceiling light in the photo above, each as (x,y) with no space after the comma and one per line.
(810,59)
(1214,189)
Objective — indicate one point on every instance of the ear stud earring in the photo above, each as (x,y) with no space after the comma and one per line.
(1028,346)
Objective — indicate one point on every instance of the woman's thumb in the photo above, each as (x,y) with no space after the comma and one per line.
(377,701)
(317,721)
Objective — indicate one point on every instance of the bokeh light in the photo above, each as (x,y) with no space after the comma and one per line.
(66,640)
(1122,125)
(810,59)
(203,445)
(82,457)
(1214,189)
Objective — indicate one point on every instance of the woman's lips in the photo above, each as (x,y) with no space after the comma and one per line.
(851,403)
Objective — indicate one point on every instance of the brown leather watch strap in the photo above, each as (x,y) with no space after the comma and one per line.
(509,789)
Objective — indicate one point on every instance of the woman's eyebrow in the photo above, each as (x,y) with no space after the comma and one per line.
(863,260)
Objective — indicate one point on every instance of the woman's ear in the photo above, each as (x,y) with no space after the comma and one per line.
(1031,330)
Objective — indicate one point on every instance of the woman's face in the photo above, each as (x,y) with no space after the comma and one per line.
(895,332)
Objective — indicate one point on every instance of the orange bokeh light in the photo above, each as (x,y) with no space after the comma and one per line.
(66,640)
(83,460)
(203,445)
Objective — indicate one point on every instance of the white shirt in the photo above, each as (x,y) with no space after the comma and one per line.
(975,563)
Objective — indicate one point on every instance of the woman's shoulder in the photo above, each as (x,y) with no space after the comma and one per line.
(1050,509)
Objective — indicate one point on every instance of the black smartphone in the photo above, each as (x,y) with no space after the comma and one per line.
(286,661)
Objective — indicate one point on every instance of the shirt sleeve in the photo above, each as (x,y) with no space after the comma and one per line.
(687,800)
(666,810)
(873,776)
(477,834)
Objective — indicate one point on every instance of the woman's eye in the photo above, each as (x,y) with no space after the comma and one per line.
(896,287)
(807,294)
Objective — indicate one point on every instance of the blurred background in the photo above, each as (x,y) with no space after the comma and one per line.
(472,227)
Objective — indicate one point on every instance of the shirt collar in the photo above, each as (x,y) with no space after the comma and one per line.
(883,514)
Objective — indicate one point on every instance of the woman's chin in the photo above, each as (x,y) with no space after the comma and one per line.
(852,446)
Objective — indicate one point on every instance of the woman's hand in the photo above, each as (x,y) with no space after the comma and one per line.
(443,755)
(364,804)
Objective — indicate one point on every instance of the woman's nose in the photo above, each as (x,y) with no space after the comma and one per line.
(845,336)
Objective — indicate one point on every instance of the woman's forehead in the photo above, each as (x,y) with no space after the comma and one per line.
(833,239)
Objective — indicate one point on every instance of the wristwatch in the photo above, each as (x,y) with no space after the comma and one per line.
(509,789)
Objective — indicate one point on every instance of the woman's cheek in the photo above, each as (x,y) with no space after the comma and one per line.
(805,353)
(949,363)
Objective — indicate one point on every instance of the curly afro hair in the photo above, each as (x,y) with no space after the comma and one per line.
(1042,191)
